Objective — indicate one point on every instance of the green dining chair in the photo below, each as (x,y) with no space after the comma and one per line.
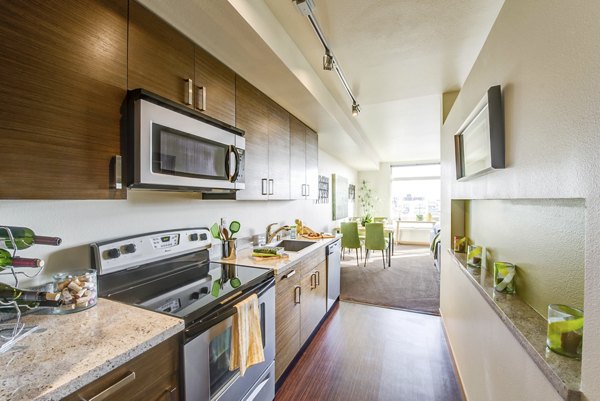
(350,238)
(375,240)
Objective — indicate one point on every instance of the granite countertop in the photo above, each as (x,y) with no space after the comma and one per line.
(279,265)
(77,348)
(529,328)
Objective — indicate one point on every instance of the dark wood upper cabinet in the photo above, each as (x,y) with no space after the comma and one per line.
(63,67)
(217,81)
(160,58)
(279,152)
(304,161)
(252,115)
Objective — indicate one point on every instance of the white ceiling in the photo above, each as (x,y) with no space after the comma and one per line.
(399,56)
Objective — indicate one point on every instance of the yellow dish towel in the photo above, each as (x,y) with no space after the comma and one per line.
(246,337)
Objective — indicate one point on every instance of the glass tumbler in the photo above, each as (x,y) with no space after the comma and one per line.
(565,330)
(504,275)
(474,256)
(458,244)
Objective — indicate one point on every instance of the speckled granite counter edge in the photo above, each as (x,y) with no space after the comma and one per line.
(529,328)
(109,365)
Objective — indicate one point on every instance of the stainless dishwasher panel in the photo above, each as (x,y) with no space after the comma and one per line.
(333,273)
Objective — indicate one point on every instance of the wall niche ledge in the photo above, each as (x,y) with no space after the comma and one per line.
(528,327)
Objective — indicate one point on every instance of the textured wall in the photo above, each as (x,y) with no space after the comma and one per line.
(544,238)
(79,223)
(546,56)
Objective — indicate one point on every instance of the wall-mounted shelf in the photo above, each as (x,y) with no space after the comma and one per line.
(529,328)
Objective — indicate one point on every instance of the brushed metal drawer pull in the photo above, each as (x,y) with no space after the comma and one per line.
(114,388)
(318,273)
(188,91)
(313,283)
(201,98)
(271,186)
(264,186)
(290,274)
(297,294)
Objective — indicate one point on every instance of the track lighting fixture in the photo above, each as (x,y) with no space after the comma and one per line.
(328,61)
(306,7)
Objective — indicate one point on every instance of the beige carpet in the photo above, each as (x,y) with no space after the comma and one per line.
(411,283)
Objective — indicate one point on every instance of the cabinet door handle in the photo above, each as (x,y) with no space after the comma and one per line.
(307,190)
(297,294)
(117,165)
(201,98)
(263,183)
(271,186)
(318,273)
(188,91)
(114,388)
(313,281)
(170,395)
(303,189)
(290,274)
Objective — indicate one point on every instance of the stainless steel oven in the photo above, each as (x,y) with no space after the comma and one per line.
(174,148)
(206,358)
(170,272)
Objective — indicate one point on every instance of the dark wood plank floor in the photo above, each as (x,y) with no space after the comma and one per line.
(368,353)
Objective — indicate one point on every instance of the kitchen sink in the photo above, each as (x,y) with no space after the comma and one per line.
(294,246)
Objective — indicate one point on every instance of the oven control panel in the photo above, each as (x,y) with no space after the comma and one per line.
(130,252)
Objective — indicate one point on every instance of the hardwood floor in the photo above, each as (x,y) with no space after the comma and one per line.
(368,353)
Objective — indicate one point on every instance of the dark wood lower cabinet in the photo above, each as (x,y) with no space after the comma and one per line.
(152,376)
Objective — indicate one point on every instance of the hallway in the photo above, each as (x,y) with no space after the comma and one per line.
(368,353)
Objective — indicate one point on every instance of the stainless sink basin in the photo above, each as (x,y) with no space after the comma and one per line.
(291,245)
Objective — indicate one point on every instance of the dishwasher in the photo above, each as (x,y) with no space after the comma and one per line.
(333,273)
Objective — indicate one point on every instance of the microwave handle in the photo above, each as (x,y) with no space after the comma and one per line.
(234,176)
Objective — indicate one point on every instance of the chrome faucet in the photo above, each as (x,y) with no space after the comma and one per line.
(270,235)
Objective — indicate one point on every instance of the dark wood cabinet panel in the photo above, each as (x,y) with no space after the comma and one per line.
(297,158)
(312,164)
(314,300)
(160,58)
(252,115)
(63,67)
(218,82)
(279,152)
(287,320)
(156,377)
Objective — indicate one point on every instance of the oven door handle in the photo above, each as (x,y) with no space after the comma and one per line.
(225,312)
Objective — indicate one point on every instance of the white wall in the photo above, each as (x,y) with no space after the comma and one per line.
(546,56)
(79,223)
(379,181)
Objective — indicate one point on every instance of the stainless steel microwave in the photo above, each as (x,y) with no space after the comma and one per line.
(177,149)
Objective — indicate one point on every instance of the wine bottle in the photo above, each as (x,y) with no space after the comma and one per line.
(25,237)
(29,298)
(6,259)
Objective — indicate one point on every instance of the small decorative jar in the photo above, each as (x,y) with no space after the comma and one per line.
(504,277)
(459,244)
(474,256)
(79,291)
(565,330)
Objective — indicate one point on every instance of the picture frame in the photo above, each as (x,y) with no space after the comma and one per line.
(479,143)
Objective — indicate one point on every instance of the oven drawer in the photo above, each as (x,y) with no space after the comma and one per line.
(151,376)
(264,388)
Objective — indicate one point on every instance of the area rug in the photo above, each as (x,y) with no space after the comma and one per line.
(412,282)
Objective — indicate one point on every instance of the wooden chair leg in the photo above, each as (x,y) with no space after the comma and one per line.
(366,257)
(383,257)
(357,263)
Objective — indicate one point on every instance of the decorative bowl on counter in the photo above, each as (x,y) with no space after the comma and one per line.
(79,290)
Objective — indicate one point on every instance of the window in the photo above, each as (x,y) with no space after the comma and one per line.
(415,192)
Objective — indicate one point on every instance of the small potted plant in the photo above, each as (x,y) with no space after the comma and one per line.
(366,219)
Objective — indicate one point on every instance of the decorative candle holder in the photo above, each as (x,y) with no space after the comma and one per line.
(504,274)
(565,330)
(474,256)
(459,244)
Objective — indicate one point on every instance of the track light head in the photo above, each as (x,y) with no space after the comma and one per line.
(327,61)
(306,7)
(355,109)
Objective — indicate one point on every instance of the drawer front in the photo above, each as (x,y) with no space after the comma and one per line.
(310,261)
(151,376)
